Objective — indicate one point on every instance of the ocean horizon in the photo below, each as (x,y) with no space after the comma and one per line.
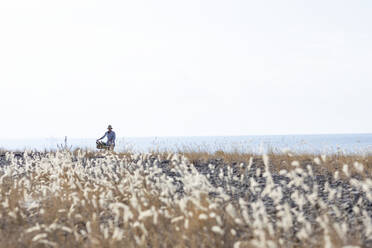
(308,143)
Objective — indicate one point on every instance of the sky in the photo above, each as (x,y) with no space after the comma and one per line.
(184,68)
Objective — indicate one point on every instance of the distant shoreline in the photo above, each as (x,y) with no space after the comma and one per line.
(316,143)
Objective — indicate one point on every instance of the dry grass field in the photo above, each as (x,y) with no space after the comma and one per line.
(189,199)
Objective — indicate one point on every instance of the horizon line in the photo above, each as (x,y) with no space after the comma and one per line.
(193,136)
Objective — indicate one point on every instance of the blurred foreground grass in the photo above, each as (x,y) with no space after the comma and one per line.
(188,199)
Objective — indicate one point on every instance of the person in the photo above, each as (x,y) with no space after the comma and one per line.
(111,136)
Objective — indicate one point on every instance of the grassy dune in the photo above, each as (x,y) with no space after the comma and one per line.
(188,199)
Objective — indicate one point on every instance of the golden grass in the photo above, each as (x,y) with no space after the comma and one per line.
(283,161)
(52,200)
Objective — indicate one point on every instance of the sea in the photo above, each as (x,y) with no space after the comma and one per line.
(319,143)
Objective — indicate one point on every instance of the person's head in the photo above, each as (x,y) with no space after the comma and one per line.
(109,128)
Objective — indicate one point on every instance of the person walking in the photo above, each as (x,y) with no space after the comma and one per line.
(111,136)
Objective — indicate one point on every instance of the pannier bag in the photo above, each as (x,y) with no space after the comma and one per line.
(102,145)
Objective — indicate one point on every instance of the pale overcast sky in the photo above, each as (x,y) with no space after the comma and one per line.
(167,67)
